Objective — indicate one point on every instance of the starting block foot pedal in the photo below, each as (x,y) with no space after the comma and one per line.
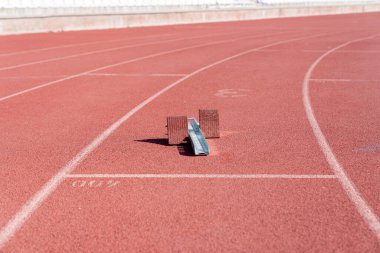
(177,129)
(209,122)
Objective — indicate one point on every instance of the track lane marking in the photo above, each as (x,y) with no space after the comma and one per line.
(345,51)
(368,149)
(321,51)
(97,74)
(31,77)
(215,176)
(137,74)
(322,80)
(16,222)
(353,193)
(125,62)
(106,50)
(80,44)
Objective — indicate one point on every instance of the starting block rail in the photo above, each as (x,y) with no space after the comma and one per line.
(198,140)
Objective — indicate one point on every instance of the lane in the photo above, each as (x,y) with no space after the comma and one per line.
(221,215)
(23,57)
(74,68)
(47,128)
(13,45)
(61,55)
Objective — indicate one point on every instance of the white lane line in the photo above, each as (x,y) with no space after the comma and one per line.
(137,74)
(320,51)
(125,62)
(345,51)
(287,50)
(94,74)
(106,51)
(31,77)
(39,197)
(81,44)
(361,205)
(343,80)
(212,176)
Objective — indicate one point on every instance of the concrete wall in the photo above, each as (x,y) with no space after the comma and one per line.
(316,2)
(115,18)
(114,3)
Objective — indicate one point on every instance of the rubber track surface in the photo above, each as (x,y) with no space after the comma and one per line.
(85,166)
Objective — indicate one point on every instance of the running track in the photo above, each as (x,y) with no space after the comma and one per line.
(83,161)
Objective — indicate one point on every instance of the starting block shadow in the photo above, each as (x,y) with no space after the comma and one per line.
(184,148)
(158,141)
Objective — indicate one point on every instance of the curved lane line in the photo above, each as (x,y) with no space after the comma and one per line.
(361,205)
(35,201)
(128,61)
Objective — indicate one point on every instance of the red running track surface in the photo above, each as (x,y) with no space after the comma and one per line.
(85,167)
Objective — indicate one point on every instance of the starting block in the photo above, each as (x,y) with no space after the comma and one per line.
(179,128)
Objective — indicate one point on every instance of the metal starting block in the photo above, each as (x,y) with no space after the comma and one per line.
(198,140)
(179,128)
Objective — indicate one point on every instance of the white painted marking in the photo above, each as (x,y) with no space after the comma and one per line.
(22,77)
(79,184)
(212,176)
(345,51)
(368,149)
(38,50)
(95,184)
(342,80)
(232,93)
(95,74)
(119,64)
(361,205)
(84,183)
(271,50)
(104,51)
(112,183)
(137,74)
(36,200)
(289,50)
(320,51)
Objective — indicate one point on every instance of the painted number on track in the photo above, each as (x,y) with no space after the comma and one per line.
(94,183)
